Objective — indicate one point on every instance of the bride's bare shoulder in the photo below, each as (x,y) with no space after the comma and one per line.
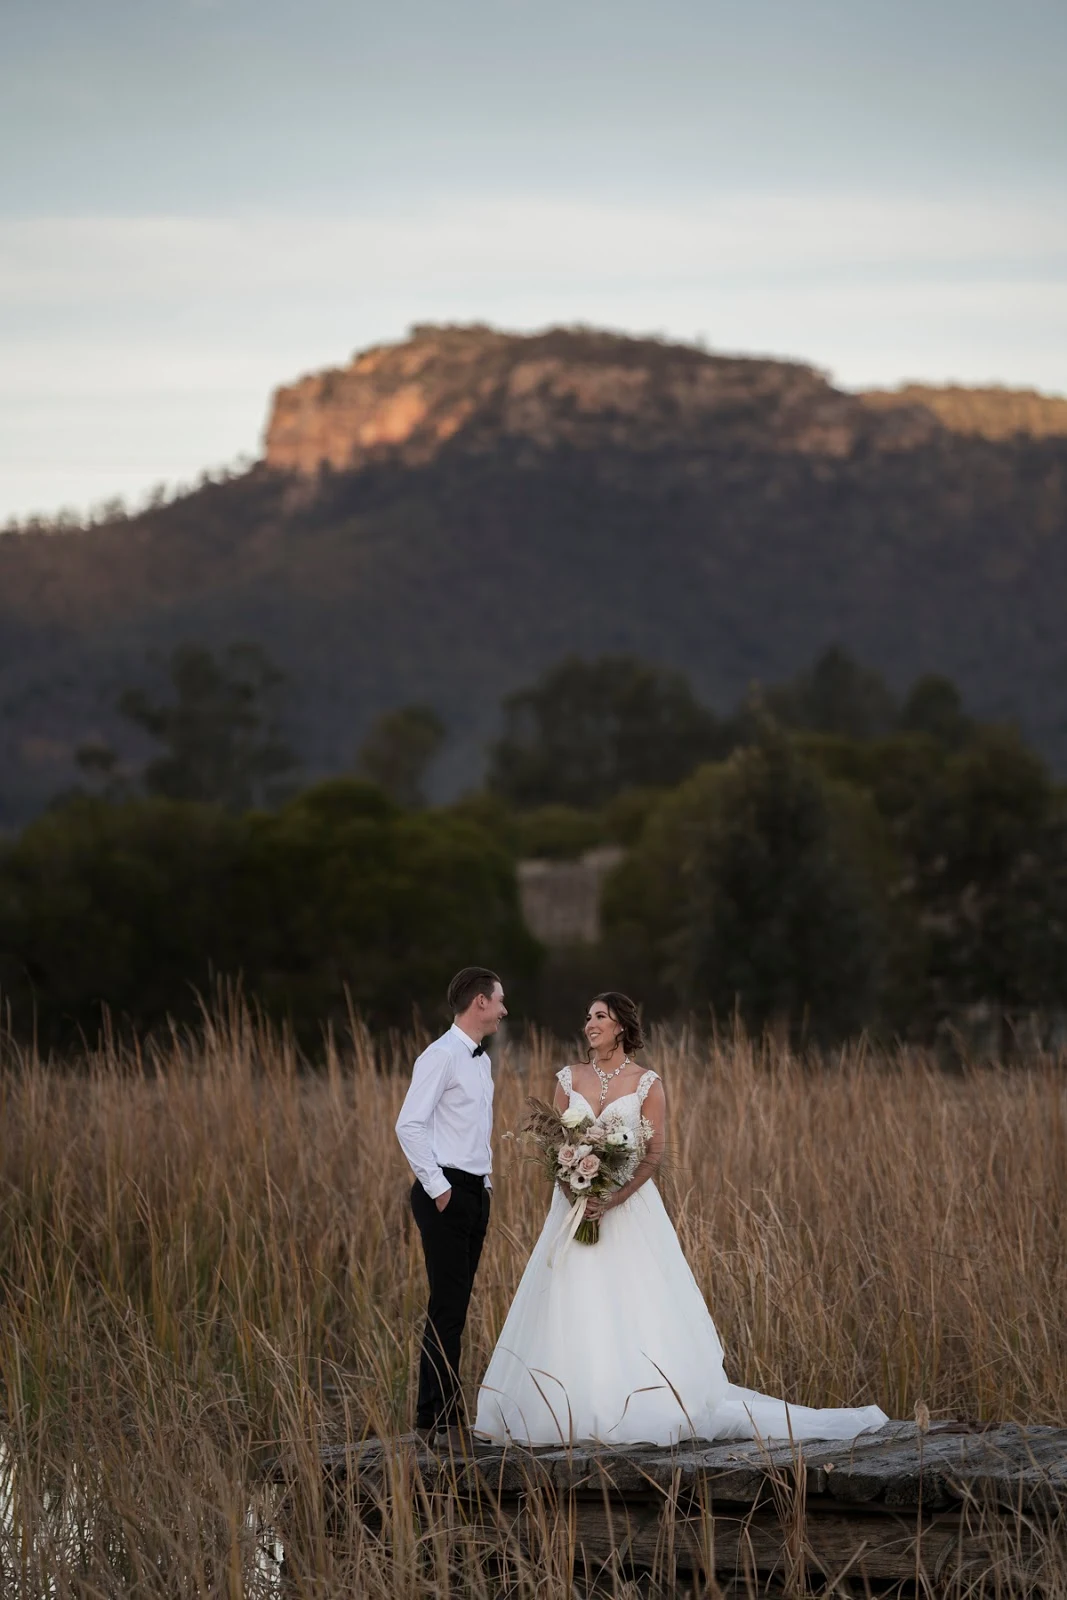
(578,1077)
(581,1072)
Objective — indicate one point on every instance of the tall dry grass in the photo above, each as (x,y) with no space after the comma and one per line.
(207,1262)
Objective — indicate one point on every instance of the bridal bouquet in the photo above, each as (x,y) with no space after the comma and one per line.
(584,1157)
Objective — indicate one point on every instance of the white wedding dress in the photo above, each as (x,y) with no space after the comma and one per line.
(613,1342)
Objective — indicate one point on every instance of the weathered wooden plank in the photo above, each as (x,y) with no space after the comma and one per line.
(898,1467)
(895,1505)
(867,1546)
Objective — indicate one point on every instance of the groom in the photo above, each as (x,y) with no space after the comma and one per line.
(445,1127)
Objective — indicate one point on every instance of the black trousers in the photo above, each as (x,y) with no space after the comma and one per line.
(452,1242)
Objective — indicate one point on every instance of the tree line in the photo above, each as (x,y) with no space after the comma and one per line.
(825,857)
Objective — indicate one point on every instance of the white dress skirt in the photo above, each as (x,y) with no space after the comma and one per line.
(613,1343)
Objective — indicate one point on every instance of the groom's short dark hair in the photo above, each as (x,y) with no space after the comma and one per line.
(467,984)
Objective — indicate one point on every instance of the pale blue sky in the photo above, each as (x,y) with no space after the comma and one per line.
(202,198)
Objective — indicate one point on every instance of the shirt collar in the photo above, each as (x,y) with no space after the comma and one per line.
(472,1044)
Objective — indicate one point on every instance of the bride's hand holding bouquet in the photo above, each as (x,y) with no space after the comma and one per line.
(588,1160)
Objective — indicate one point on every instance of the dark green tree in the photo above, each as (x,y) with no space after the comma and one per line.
(98,762)
(398,751)
(835,695)
(220,734)
(935,706)
(587,730)
(987,875)
(897,774)
(103,774)
(128,906)
(345,891)
(338,897)
(975,867)
(748,891)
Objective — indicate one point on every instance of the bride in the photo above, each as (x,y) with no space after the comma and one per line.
(612,1341)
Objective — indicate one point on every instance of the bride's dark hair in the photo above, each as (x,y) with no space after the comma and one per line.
(626,1014)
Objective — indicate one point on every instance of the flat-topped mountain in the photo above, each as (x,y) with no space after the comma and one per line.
(585,390)
(568,387)
(445,517)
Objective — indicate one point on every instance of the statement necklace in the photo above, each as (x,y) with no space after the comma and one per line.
(606,1077)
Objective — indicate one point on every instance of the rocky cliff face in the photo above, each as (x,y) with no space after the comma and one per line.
(578,388)
(994,413)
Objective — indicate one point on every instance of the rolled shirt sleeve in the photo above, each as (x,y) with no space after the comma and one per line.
(414,1125)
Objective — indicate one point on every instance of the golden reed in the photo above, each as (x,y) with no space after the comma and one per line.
(207,1262)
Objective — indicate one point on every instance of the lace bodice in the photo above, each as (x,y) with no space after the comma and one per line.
(625,1110)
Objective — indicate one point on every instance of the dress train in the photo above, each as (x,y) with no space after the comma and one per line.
(613,1342)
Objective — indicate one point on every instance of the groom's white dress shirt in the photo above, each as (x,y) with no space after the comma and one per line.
(447,1116)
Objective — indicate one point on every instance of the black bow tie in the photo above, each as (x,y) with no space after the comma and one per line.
(479,1050)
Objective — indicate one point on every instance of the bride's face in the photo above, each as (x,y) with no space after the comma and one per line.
(601,1028)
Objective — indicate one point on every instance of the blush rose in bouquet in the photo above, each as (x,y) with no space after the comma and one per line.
(583,1157)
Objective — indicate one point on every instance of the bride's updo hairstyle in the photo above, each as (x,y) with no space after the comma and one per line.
(625,1013)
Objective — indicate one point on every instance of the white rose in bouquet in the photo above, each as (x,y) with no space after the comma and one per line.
(585,1157)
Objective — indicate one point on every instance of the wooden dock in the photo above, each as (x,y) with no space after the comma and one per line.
(955,1507)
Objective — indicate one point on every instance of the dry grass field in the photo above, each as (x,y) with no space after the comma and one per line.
(207,1262)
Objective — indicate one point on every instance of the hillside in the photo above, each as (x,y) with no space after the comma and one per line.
(443,518)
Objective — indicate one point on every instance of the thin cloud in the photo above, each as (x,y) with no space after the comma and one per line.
(78,259)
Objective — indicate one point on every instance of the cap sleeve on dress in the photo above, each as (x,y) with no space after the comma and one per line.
(564,1076)
(645,1083)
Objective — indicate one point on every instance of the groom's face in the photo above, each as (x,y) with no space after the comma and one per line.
(495,1009)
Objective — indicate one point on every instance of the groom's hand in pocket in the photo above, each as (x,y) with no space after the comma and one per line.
(442,1200)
